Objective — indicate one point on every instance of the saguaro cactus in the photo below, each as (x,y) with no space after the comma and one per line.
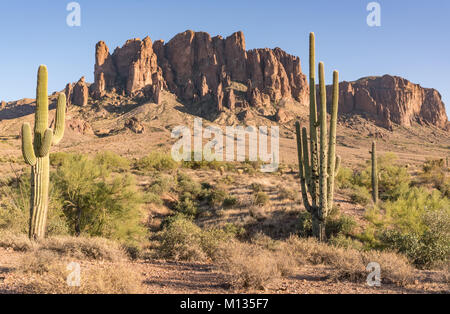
(374,173)
(36,152)
(318,163)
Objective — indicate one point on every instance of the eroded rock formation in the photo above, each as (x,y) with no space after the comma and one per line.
(78,93)
(195,66)
(204,70)
(392,99)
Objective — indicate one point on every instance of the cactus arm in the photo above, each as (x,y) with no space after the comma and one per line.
(60,119)
(47,139)
(337,165)
(306,163)
(333,162)
(301,168)
(27,145)
(323,174)
(41,117)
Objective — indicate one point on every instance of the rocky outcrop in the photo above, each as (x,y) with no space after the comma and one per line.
(79,126)
(134,125)
(203,71)
(391,99)
(197,67)
(128,70)
(78,93)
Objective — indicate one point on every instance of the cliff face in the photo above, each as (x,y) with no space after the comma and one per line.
(392,99)
(195,66)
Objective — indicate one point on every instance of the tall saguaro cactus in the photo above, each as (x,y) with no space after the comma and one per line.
(36,152)
(374,173)
(318,163)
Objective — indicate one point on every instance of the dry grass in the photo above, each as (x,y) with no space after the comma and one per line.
(75,247)
(46,273)
(350,264)
(91,248)
(17,242)
(251,266)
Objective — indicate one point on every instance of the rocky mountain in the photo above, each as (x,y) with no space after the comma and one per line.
(203,72)
(196,67)
(200,69)
(392,99)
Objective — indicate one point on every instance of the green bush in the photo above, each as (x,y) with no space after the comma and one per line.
(15,207)
(261,198)
(393,181)
(340,225)
(156,161)
(360,195)
(98,203)
(344,178)
(182,239)
(417,225)
(335,225)
(435,172)
(230,201)
(112,161)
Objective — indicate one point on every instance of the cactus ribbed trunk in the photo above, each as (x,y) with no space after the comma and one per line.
(318,164)
(39,197)
(36,153)
(374,174)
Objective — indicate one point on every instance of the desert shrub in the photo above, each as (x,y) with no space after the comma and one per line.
(256,187)
(360,195)
(261,198)
(217,196)
(435,172)
(350,264)
(191,193)
(156,161)
(15,241)
(182,239)
(344,178)
(229,201)
(186,205)
(416,225)
(346,242)
(112,161)
(205,164)
(335,225)
(56,159)
(15,209)
(161,184)
(305,224)
(393,181)
(287,193)
(96,203)
(47,274)
(251,266)
(339,225)
(425,249)
(84,247)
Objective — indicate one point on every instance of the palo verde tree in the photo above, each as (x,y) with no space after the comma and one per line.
(36,152)
(318,163)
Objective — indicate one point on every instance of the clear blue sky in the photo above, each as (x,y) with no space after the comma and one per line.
(413,40)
